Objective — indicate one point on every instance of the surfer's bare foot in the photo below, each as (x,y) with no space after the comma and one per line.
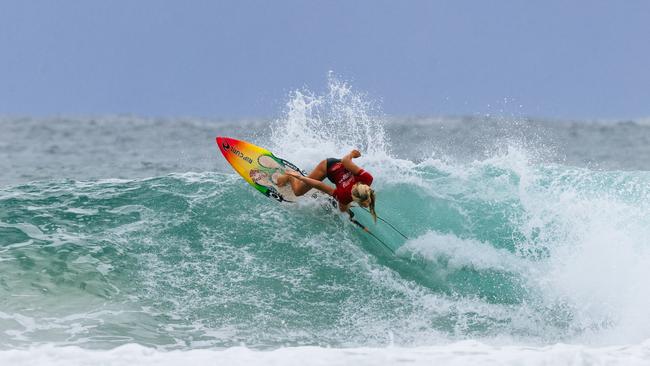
(292,173)
(282,180)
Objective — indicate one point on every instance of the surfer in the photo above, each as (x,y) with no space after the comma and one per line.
(352,182)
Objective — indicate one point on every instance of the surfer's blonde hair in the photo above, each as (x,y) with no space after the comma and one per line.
(362,192)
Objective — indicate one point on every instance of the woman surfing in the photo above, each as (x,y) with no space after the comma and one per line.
(352,182)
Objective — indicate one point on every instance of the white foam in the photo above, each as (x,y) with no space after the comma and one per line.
(461,353)
(462,253)
(316,127)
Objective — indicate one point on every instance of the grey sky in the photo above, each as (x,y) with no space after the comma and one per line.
(566,59)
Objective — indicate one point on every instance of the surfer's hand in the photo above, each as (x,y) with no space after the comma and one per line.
(355,153)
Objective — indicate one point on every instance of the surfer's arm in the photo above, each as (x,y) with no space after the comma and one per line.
(321,186)
(348,164)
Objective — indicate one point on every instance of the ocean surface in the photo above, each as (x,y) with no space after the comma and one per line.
(129,240)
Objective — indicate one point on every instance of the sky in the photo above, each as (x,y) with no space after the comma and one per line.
(236,59)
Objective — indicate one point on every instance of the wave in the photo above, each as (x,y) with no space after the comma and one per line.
(499,247)
(504,247)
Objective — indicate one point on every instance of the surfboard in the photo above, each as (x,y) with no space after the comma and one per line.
(259,167)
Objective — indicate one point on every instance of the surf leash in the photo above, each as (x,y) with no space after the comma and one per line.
(370,232)
(387,223)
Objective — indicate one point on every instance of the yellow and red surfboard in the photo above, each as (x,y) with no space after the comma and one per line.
(258,166)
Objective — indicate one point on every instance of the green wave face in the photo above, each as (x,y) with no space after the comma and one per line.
(497,248)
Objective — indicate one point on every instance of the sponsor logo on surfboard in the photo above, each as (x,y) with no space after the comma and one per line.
(226,146)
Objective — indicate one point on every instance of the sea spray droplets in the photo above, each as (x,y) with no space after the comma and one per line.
(320,126)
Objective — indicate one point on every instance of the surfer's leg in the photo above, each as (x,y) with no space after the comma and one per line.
(320,172)
(299,188)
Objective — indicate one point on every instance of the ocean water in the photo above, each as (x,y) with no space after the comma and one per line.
(129,240)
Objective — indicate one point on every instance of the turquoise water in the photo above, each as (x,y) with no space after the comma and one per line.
(516,239)
(201,260)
